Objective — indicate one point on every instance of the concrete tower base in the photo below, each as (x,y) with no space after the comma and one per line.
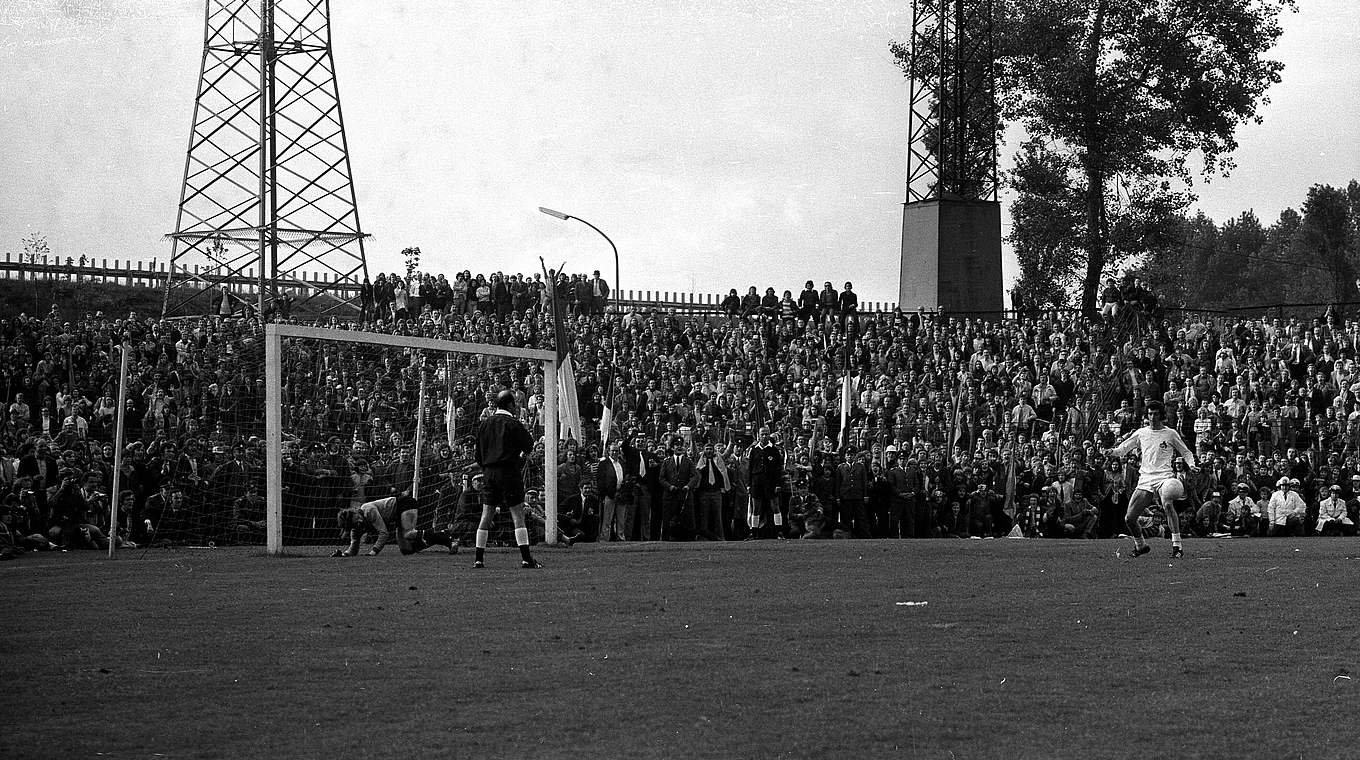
(951,257)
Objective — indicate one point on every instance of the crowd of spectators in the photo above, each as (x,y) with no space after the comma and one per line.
(956,426)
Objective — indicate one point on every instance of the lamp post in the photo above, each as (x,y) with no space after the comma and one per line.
(614,363)
(564,217)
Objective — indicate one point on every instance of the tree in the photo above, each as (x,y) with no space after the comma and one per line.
(1128,92)
(1300,259)
(1328,233)
(1043,215)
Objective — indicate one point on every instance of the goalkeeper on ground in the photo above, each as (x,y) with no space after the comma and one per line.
(379,517)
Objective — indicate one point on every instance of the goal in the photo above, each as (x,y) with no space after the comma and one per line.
(351,416)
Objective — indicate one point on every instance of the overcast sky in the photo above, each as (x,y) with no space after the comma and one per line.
(720,143)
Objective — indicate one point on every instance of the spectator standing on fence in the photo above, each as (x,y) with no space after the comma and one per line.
(366,301)
(830,301)
(849,305)
(599,294)
(808,303)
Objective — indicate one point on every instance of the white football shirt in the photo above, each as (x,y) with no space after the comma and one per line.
(1158,449)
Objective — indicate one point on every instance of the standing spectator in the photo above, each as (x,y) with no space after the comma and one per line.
(808,303)
(366,301)
(849,305)
(1109,300)
(678,478)
(400,301)
(643,471)
(766,462)
(713,483)
(830,301)
(852,495)
(599,294)
(904,487)
(611,482)
(415,295)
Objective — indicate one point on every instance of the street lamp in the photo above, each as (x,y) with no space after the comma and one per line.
(614,364)
(564,217)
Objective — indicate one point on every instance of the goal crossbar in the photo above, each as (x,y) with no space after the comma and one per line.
(275,334)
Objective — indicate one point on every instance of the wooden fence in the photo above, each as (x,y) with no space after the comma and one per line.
(151,273)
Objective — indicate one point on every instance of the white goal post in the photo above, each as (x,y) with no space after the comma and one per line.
(276,334)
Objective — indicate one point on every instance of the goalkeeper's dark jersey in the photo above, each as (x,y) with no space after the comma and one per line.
(502,442)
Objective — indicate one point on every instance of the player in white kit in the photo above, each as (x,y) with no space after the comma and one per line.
(1158,446)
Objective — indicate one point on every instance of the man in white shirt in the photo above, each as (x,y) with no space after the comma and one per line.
(1022,416)
(615,490)
(1158,446)
(1287,509)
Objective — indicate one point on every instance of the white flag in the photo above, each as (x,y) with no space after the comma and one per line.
(846,394)
(449,417)
(606,422)
(568,408)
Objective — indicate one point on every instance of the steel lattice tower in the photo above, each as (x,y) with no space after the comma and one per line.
(953,118)
(267,182)
(951,225)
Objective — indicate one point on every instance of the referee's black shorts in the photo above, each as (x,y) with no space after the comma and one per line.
(504,487)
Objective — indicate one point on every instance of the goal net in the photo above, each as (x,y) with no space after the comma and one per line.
(353,416)
(295,423)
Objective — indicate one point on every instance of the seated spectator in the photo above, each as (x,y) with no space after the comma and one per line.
(1333,516)
(1239,515)
(1078,517)
(1208,519)
(1287,509)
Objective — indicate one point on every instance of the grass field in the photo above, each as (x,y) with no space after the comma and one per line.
(1026,649)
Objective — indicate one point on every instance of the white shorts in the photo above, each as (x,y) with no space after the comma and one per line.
(1164,488)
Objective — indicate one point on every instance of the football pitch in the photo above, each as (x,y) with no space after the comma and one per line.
(816,649)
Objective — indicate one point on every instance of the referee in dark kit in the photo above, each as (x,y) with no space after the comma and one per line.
(503,445)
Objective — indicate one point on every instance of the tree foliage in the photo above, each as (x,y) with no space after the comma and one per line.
(1118,97)
(1311,257)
